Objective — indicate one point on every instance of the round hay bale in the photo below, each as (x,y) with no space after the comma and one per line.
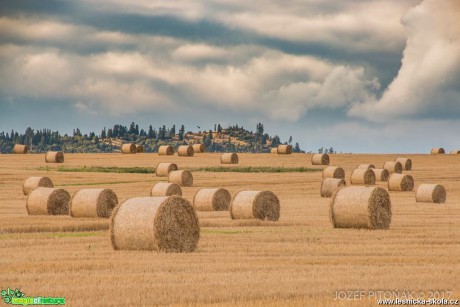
(360,207)
(20,149)
(381,174)
(212,200)
(431,193)
(365,166)
(32,183)
(393,167)
(362,176)
(263,205)
(185,151)
(284,149)
(164,168)
(183,178)
(93,203)
(165,189)
(334,172)
(405,162)
(166,224)
(165,150)
(199,148)
(48,201)
(437,151)
(320,159)
(129,148)
(455,152)
(139,148)
(54,157)
(229,158)
(274,150)
(400,182)
(329,185)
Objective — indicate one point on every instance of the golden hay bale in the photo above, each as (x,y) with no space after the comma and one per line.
(334,172)
(229,158)
(455,152)
(360,207)
(32,183)
(393,167)
(381,174)
(166,224)
(284,149)
(212,200)
(405,162)
(320,159)
(437,151)
(365,166)
(164,168)
(48,201)
(329,185)
(183,178)
(20,149)
(263,205)
(165,189)
(431,193)
(185,151)
(362,176)
(165,150)
(129,148)
(93,203)
(274,150)
(139,148)
(199,148)
(400,182)
(54,157)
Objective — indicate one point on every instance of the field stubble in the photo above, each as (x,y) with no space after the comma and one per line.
(300,260)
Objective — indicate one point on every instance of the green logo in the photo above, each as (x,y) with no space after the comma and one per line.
(16,297)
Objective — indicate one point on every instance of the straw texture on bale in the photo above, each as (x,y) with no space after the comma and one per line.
(199,148)
(166,150)
(93,203)
(320,159)
(139,148)
(400,182)
(164,224)
(165,189)
(212,200)
(32,183)
(360,207)
(229,158)
(274,150)
(431,193)
(54,157)
(48,201)
(334,172)
(455,152)
(183,178)
(405,162)
(438,151)
(20,149)
(381,174)
(365,166)
(393,167)
(164,168)
(129,148)
(185,151)
(329,185)
(263,205)
(284,149)
(362,176)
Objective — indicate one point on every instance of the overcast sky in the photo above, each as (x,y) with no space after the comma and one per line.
(359,75)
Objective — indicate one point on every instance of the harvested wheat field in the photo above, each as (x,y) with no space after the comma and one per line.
(299,260)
